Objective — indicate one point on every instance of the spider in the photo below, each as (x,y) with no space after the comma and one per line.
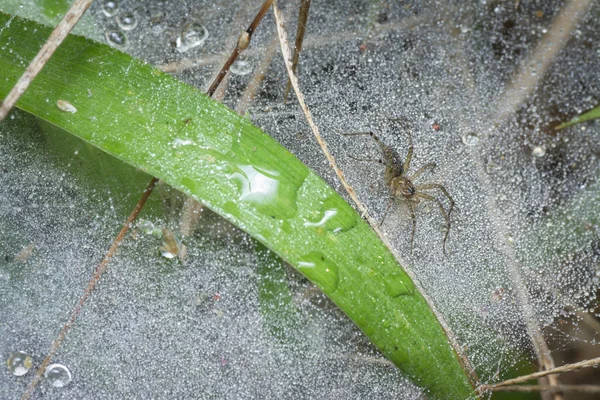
(402,186)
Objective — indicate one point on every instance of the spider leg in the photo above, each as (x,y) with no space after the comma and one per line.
(411,208)
(410,152)
(377,160)
(430,186)
(446,215)
(387,209)
(374,136)
(421,170)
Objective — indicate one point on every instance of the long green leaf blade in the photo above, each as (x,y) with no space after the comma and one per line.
(172,131)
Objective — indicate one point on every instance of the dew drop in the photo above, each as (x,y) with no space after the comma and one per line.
(538,151)
(334,215)
(127,20)
(262,189)
(110,7)
(116,38)
(470,139)
(171,246)
(57,375)
(241,67)
(19,363)
(65,106)
(180,142)
(398,284)
(192,35)
(320,271)
(148,228)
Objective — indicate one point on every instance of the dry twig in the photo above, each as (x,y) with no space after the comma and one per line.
(550,388)
(564,368)
(242,44)
(300,31)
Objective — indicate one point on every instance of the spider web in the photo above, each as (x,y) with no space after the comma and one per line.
(523,252)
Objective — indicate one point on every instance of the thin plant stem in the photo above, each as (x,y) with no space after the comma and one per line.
(300,31)
(242,44)
(564,368)
(550,388)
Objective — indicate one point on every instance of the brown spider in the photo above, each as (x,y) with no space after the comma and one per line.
(401,186)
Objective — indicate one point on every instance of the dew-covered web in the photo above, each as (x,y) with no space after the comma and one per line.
(523,250)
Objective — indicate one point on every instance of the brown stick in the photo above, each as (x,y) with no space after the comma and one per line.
(300,30)
(525,378)
(57,36)
(88,290)
(550,388)
(242,44)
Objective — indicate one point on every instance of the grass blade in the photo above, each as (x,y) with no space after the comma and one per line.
(587,116)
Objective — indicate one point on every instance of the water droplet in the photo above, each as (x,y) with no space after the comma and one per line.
(192,35)
(271,192)
(65,106)
(57,375)
(157,18)
(127,20)
(148,228)
(261,188)
(171,246)
(181,142)
(19,363)
(116,38)
(335,215)
(398,284)
(538,151)
(241,67)
(320,271)
(110,7)
(470,139)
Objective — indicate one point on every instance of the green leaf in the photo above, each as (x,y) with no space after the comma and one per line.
(172,131)
(587,116)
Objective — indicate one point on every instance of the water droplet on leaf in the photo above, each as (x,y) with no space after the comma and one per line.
(335,215)
(65,106)
(320,270)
